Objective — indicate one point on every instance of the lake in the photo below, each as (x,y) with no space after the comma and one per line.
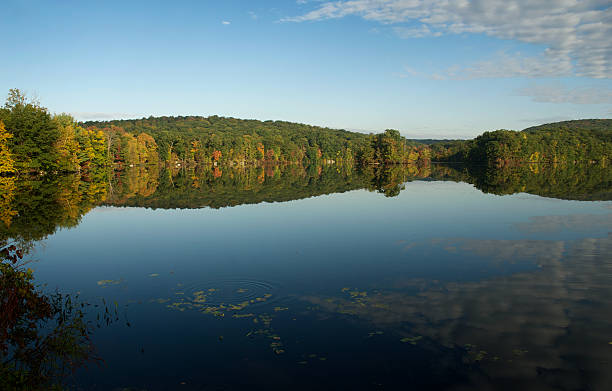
(437,277)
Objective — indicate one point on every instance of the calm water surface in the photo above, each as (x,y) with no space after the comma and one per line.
(441,286)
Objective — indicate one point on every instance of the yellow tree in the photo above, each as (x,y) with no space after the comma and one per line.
(6,158)
(147,149)
(66,144)
(261,150)
(7,195)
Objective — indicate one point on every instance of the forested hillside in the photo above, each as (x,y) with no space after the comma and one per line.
(600,127)
(561,142)
(194,140)
(34,141)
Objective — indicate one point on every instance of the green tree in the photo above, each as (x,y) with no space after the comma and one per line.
(34,134)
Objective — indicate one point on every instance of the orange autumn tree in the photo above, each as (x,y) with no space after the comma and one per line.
(6,158)
(261,150)
(216,155)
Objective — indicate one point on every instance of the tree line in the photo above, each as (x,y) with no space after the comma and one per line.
(195,140)
(32,140)
(561,142)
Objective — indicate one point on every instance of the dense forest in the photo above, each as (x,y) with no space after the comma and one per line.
(196,140)
(560,142)
(34,141)
(193,140)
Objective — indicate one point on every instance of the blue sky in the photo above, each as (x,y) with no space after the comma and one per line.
(428,68)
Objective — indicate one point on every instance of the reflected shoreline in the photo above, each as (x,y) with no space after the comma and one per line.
(517,327)
(33,207)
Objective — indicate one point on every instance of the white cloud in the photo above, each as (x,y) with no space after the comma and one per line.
(575,223)
(558,93)
(226,22)
(576,34)
(504,65)
(416,32)
(409,72)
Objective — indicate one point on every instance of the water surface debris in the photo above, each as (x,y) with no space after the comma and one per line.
(109,282)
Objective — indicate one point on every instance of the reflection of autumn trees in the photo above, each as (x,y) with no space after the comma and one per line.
(139,180)
(573,181)
(215,187)
(565,181)
(33,207)
(43,338)
(7,196)
(230,186)
(390,180)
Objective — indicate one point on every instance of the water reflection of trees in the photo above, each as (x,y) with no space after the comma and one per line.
(568,181)
(43,337)
(33,207)
(530,330)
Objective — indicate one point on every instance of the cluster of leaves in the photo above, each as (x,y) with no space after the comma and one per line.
(43,338)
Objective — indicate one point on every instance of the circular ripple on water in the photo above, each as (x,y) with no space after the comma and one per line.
(232,292)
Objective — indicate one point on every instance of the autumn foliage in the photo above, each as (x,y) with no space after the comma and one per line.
(6,159)
(42,338)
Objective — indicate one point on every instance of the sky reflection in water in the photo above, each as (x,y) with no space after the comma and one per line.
(441,287)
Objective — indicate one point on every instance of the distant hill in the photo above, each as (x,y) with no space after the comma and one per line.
(586,140)
(195,139)
(601,128)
